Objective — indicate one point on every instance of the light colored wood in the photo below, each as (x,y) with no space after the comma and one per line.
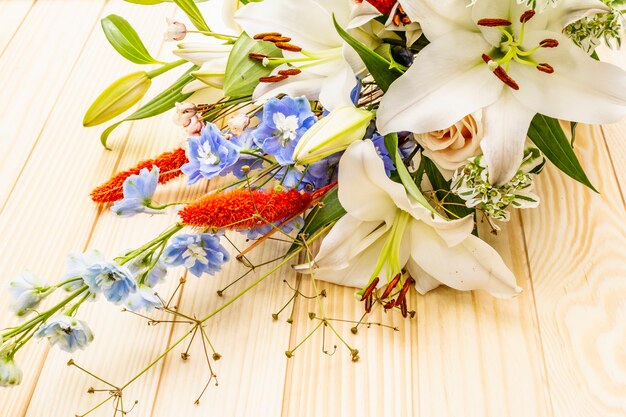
(577,266)
(555,351)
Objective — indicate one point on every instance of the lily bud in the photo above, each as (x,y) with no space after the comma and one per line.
(117,98)
(176,31)
(332,134)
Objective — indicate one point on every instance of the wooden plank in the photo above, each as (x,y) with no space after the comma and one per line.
(12,14)
(576,243)
(49,213)
(614,136)
(33,72)
(464,354)
(252,368)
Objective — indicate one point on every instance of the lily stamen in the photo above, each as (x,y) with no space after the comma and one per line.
(526,16)
(547,68)
(500,72)
(549,43)
(493,22)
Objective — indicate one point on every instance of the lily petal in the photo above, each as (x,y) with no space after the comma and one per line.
(305,21)
(364,191)
(439,17)
(506,124)
(336,89)
(569,11)
(447,81)
(423,281)
(580,89)
(304,84)
(472,265)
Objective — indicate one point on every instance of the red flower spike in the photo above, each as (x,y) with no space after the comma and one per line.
(383,6)
(243,209)
(169,164)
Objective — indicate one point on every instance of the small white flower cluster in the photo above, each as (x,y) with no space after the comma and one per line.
(589,32)
(471,183)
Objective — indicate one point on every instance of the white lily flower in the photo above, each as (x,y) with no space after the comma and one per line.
(328,65)
(385,231)
(511,71)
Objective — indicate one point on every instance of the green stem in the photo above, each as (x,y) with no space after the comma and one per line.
(165,68)
(162,237)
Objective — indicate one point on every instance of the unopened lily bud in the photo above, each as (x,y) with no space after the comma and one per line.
(184,113)
(238,124)
(117,98)
(176,31)
(332,134)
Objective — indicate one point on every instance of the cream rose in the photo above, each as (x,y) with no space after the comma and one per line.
(451,148)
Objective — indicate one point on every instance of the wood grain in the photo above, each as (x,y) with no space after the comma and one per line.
(577,266)
(554,351)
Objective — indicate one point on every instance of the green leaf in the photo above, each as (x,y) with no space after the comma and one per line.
(125,40)
(117,98)
(320,216)
(453,204)
(242,72)
(391,143)
(383,71)
(159,104)
(192,11)
(547,134)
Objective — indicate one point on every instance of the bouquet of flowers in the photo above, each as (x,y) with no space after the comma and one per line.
(370,135)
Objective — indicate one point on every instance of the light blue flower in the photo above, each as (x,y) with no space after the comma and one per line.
(10,373)
(381,149)
(145,273)
(290,176)
(138,192)
(77,265)
(245,146)
(321,173)
(284,121)
(145,298)
(256,232)
(199,253)
(114,281)
(27,290)
(209,154)
(67,332)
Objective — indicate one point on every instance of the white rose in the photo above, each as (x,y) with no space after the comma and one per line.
(451,148)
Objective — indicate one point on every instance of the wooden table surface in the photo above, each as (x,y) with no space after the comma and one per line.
(559,349)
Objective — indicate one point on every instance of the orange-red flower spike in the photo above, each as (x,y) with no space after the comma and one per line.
(169,164)
(243,209)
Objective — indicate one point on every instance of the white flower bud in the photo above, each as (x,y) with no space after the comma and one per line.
(10,373)
(332,134)
(176,31)
(27,290)
(238,124)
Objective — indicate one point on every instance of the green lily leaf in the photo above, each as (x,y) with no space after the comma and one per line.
(391,143)
(453,205)
(159,104)
(117,98)
(547,134)
(320,216)
(384,50)
(383,71)
(192,11)
(242,72)
(125,40)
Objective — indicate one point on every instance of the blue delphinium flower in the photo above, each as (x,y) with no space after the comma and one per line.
(67,332)
(245,146)
(145,273)
(77,265)
(27,290)
(290,176)
(145,298)
(256,232)
(284,121)
(379,144)
(199,253)
(209,154)
(321,173)
(113,280)
(138,192)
